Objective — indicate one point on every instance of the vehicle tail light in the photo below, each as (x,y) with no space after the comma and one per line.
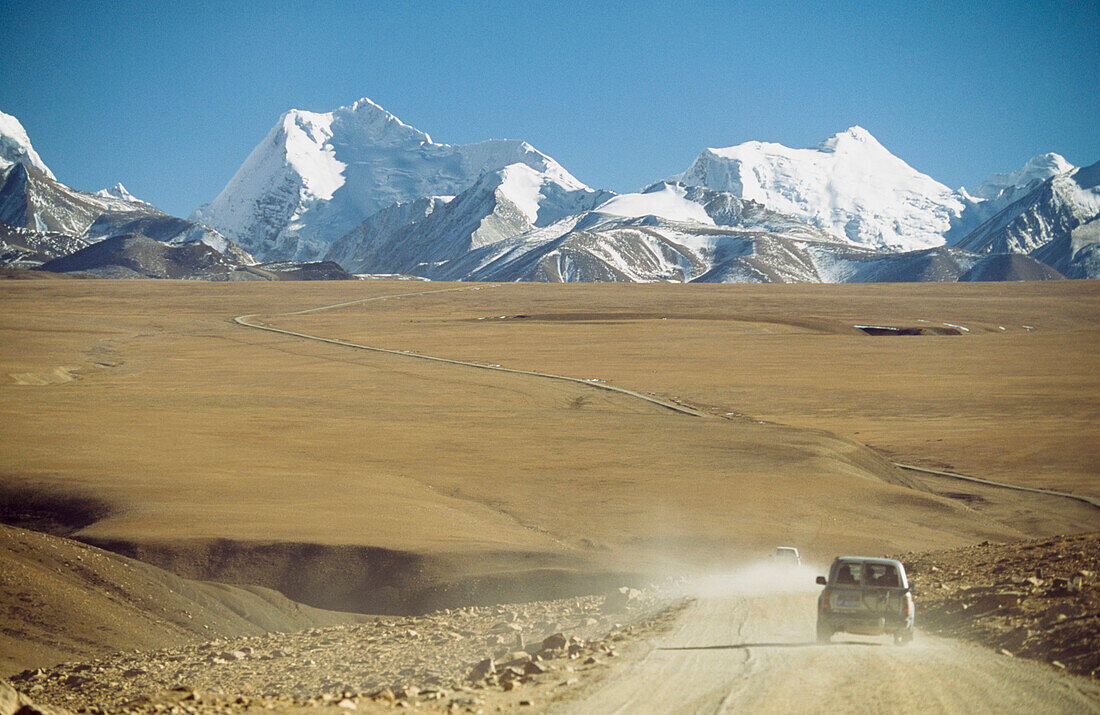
(826,599)
(908,604)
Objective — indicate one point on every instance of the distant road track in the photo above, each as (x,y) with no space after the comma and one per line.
(1088,500)
(247,321)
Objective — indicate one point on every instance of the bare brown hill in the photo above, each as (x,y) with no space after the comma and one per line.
(63,600)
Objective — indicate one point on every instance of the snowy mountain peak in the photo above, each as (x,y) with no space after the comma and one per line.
(118,191)
(544,193)
(521,185)
(15,146)
(316,176)
(305,138)
(854,138)
(849,185)
(662,200)
(1037,169)
(367,119)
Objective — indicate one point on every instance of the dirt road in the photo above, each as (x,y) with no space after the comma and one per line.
(756,653)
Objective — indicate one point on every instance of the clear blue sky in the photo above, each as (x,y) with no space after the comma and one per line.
(169,97)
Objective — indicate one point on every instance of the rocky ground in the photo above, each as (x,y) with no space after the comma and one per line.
(1033,599)
(469,659)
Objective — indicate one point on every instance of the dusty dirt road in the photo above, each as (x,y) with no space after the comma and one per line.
(731,652)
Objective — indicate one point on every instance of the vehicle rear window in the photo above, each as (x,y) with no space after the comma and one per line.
(881,575)
(855,573)
(849,573)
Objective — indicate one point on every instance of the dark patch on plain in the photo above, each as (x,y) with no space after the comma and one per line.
(49,511)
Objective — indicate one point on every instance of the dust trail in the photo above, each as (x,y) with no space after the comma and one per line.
(757,579)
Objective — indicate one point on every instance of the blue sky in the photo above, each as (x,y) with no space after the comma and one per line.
(169,98)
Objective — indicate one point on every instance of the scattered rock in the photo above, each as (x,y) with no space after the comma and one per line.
(1034,599)
(371,665)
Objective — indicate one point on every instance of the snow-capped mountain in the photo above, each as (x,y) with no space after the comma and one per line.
(364,190)
(15,147)
(413,238)
(316,176)
(118,191)
(849,185)
(644,253)
(669,232)
(1012,186)
(63,219)
(1001,190)
(1057,222)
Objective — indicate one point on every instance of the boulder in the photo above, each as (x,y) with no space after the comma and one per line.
(556,641)
(622,598)
(482,669)
(533,668)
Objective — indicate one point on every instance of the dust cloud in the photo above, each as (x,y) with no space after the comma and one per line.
(757,579)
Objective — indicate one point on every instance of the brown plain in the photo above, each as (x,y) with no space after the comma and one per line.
(190,429)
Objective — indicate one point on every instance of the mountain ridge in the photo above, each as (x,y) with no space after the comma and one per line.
(359,187)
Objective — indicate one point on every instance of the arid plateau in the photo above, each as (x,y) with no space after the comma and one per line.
(397,447)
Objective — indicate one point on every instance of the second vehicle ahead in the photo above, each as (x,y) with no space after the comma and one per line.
(866,596)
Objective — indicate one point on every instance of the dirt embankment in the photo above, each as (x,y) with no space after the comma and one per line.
(63,600)
(1033,599)
(363,579)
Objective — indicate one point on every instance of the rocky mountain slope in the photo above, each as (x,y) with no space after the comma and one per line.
(134,255)
(1034,599)
(1010,267)
(137,256)
(1057,222)
(42,220)
(53,220)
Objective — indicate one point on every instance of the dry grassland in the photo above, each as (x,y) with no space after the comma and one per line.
(199,436)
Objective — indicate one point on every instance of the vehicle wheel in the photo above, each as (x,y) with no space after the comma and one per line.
(903,637)
(823,633)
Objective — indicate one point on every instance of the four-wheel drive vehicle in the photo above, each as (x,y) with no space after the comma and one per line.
(786,555)
(867,596)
